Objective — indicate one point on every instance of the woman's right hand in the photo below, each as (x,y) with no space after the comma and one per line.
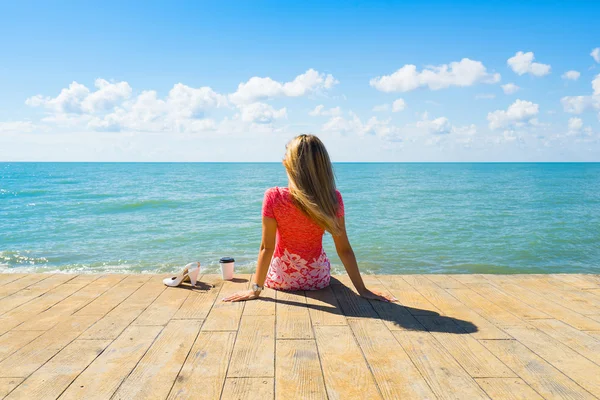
(377,295)
(242,296)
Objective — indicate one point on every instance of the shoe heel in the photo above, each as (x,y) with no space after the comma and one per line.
(193,274)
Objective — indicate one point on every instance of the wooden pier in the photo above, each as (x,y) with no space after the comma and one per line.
(449,337)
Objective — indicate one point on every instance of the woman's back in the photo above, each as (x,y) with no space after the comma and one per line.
(299,261)
(291,255)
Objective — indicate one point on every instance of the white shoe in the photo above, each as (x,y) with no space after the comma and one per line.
(189,273)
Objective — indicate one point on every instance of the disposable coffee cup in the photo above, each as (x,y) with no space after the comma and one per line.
(227,264)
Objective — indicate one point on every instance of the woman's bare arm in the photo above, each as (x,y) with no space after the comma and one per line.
(346,254)
(267,247)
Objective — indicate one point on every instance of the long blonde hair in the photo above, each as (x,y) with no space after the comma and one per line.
(312,183)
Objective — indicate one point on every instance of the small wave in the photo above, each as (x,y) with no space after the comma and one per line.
(8,257)
(24,193)
(138,205)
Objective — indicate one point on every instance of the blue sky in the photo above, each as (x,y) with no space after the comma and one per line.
(127,59)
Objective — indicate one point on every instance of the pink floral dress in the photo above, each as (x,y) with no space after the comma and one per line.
(299,261)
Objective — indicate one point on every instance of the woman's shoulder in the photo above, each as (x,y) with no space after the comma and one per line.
(277,193)
(276,190)
(338,194)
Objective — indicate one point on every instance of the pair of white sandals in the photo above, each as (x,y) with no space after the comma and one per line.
(189,274)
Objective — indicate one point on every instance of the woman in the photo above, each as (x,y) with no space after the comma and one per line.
(294,220)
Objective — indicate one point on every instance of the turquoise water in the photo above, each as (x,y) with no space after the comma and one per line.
(402,218)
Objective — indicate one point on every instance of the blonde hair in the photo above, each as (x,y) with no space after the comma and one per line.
(312,182)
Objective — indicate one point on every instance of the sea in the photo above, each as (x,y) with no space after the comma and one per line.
(401,218)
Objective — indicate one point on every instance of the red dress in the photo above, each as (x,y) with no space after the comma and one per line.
(299,261)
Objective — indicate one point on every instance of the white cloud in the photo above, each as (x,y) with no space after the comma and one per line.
(575,124)
(111,108)
(68,101)
(190,102)
(571,75)
(596,54)
(510,88)
(485,96)
(579,104)
(321,111)
(381,108)
(517,114)
(442,126)
(596,85)
(354,125)
(522,63)
(261,113)
(398,105)
(77,98)
(465,72)
(257,88)
(17,126)
(439,125)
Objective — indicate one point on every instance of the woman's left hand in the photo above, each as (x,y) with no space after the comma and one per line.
(377,295)
(242,296)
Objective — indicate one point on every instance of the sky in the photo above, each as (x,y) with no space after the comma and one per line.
(383,81)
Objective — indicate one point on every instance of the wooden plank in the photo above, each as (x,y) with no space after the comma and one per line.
(324,308)
(264,305)
(578,281)
(8,384)
(471,278)
(83,279)
(163,308)
(114,323)
(31,292)
(78,297)
(465,349)
(298,371)
(577,300)
(36,353)
(345,280)
(554,310)
(293,319)
(225,316)
(200,300)
(207,363)
(337,348)
(8,278)
(14,340)
(569,362)
(394,315)
(577,340)
(508,388)
(509,303)
(409,297)
(81,294)
(470,321)
(19,284)
(63,295)
(56,375)
(443,374)
(254,351)
(154,375)
(549,382)
(482,306)
(114,296)
(248,388)
(352,304)
(595,334)
(395,374)
(104,375)
(446,281)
